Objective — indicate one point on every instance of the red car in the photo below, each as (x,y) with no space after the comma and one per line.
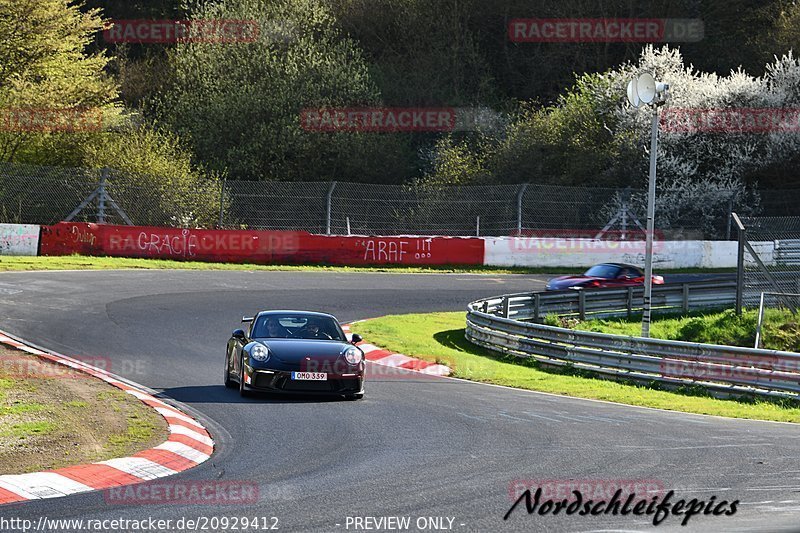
(603,275)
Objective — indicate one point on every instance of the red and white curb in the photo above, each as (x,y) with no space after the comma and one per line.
(188,445)
(380,356)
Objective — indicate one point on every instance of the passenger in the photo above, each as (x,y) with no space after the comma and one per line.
(275,330)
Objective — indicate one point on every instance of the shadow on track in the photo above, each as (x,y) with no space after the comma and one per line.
(219,394)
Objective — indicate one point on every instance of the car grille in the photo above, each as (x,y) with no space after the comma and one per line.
(315,386)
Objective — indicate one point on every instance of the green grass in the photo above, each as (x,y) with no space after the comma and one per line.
(28,429)
(439,337)
(139,430)
(780,330)
(76,262)
(20,407)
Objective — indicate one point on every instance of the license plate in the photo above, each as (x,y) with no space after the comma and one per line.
(310,376)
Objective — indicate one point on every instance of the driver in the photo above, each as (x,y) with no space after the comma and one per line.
(312,330)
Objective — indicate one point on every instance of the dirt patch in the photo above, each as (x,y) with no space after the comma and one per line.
(52,416)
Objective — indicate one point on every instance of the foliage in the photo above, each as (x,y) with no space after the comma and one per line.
(780,329)
(43,67)
(154,171)
(240,104)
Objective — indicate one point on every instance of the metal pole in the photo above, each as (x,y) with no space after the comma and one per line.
(730,217)
(651,207)
(520,194)
(760,318)
(328,202)
(740,263)
(221,201)
(348,226)
(101,204)
(478,226)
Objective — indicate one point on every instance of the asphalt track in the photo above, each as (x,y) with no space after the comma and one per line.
(415,446)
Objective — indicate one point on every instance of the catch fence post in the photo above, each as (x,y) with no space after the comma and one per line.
(221,201)
(739,263)
(520,195)
(328,205)
(101,204)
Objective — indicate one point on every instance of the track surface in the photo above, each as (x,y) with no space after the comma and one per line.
(414,446)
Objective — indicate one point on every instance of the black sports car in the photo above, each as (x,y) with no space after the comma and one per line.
(294,352)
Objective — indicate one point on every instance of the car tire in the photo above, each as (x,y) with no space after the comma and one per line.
(229,383)
(353,397)
(243,392)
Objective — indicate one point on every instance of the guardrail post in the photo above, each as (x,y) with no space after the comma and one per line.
(685,297)
(537,302)
(582,304)
(506,307)
(630,301)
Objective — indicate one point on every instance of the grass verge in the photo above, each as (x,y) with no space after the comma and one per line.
(439,337)
(780,330)
(78,262)
(51,417)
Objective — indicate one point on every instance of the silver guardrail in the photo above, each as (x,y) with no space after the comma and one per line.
(607,303)
(505,324)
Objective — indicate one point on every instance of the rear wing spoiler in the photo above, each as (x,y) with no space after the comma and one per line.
(247,319)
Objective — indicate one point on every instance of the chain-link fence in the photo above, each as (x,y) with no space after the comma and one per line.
(45,195)
(769,250)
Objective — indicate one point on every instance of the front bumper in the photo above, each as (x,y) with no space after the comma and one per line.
(281,381)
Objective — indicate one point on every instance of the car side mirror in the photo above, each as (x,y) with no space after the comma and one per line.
(356,338)
(238,334)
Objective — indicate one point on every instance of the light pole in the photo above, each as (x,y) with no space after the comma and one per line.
(646,90)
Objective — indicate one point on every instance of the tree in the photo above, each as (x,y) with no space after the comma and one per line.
(240,103)
(44,72)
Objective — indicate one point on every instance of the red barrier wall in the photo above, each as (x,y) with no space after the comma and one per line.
(234,246)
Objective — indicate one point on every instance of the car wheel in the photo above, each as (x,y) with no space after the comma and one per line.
(242,391)
(354,396)
(228,381)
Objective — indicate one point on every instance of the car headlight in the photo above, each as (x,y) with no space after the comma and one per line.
(259,352)
(353,355)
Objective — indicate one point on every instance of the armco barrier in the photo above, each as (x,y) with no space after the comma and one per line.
(617,302)
(260,247)
(725,370)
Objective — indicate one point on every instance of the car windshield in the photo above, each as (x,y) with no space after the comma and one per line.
(602,271)
(297,326)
